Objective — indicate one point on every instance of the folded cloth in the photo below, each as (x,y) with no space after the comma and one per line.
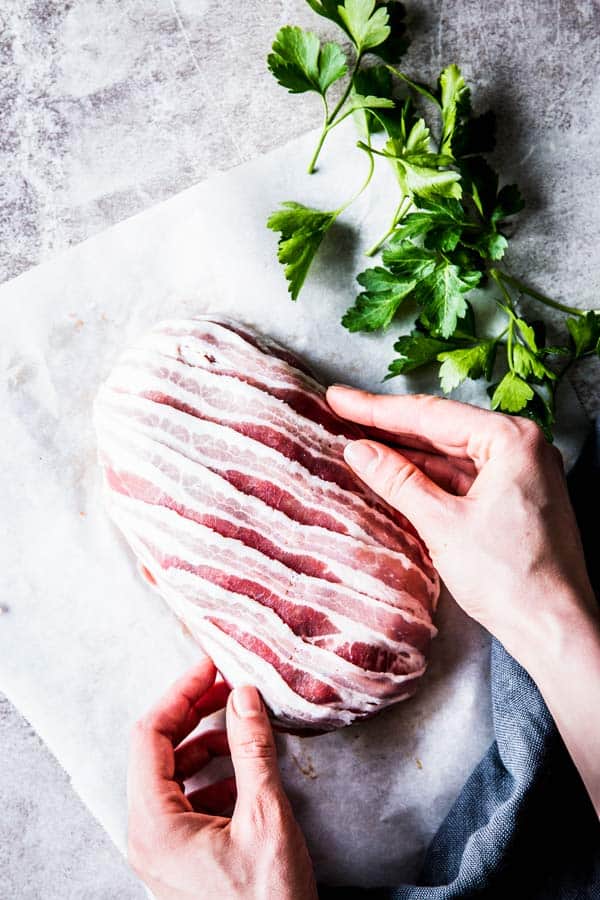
(523,825)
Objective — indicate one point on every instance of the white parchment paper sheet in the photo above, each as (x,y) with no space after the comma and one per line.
(85,646)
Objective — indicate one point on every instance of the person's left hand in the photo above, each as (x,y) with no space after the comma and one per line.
(186,846)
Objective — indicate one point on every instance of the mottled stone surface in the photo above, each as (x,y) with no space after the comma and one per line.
(52,849)
(107,108)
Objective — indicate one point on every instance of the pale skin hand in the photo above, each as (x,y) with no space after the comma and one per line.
(488,495)
(186,847)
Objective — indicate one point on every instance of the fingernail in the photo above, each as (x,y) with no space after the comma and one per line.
(360,455)
(246,702)
(339,384)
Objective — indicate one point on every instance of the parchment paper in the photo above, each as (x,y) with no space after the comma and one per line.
(85,646)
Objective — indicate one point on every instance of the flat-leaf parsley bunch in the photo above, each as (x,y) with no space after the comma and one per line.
(448,233)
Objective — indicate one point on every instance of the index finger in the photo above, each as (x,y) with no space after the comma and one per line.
(457,429)
(151,776)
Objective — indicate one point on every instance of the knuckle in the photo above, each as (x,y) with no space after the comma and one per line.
(396,481)
(507,427)
(256,746)
(532,438)
(516,434)
(528,428)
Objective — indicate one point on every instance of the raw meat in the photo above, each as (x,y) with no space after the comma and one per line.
(223,467)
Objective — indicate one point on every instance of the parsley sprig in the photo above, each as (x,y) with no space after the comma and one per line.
(451,224)
(301,63)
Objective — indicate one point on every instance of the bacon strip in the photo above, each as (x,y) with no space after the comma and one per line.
(256,469)
(223,467)
(172,481)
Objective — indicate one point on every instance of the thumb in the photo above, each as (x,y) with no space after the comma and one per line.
(401,484)
(252,747)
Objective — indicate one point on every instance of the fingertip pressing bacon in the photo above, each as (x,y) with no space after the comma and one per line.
(223,467)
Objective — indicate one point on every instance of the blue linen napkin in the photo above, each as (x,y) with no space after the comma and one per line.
(523,825)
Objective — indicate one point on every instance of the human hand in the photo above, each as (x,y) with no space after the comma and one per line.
(487,494)
(186,847)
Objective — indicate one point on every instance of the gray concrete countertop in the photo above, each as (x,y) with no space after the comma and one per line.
(106,108)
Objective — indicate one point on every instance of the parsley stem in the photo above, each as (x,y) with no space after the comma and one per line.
(346,93)
(509,344)
(496,273)
(364,185)
(419,88)
(324,130)
(547,301)
(330,118)
(313,162)
(401,211)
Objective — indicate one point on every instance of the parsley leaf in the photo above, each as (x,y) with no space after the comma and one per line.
(527,333)
(419,87)
(415,350)
(441,285)
(376,307)
(490,244)
(396,44)
(375,81)
(328,9)
(442,296)
(367,26)
(585,333)
(389,48)
(358,101)
(524,355)
(302,230)
(455,102)
(417,168)
(409,261)
(512,394)
(443,238)
(468,362)
(413,225)
(526,363)
(445,211)
(440,220)
(300,63)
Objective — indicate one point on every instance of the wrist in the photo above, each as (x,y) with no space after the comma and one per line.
(564,662)
(548,640)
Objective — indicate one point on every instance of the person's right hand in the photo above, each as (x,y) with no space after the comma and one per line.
(487,494)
